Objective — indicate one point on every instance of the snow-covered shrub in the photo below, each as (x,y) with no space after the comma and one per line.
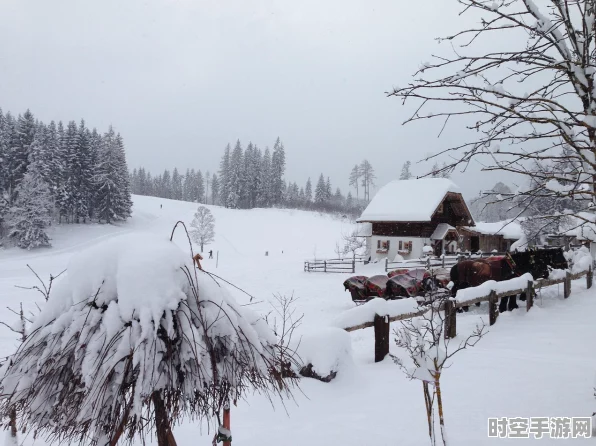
(579,260)
(325,352)
(134,335)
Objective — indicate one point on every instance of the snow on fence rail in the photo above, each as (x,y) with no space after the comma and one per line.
(379,313)
(444,261)
(330,266)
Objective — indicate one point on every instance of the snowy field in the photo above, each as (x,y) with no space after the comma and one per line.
(528,365)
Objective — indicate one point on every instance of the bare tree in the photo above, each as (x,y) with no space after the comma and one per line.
(429,352)
(530,105)
(354,243)
(203,225)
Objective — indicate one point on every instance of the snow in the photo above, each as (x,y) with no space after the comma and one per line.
(364,229)
(366,313)
(580,260)
(500,287)
(441,231)
(328,349)
(557,274)
(408,200)
(510,229)
(374,403)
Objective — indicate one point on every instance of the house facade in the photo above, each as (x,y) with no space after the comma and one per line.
(415,218)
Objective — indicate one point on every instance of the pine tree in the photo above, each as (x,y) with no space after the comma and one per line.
(113,194)
(368,178)
(176,185)
(235,177)
(31,212)
(207,186)
(166,184)
(308,192)
(355,177)
(445,172)
(188,184)
(224,174)
(405,171)
(321,193)
(278,167)
(199,187)
(214,189)
(264,191)
(434,173)
(328,190)
(349,202)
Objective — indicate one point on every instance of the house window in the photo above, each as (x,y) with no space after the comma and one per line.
(383,246)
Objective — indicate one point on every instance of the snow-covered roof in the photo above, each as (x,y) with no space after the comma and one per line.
(509,229)
(364,229)
(441,231)
(408,200)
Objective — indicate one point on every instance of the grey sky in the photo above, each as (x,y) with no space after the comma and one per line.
(181,78)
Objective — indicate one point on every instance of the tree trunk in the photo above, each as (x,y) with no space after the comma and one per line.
(429,409)
(13,424)
(440,405)
(162,423)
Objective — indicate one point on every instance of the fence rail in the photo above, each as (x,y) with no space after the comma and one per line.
(330,266)
(381,323)
(436,262)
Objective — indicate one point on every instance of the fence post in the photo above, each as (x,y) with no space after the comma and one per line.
(589,277)
(381,337)
(450,319)
(567,285)
(492,308)
(443,260)
(353,266)
(386,264)
(529,295)
(325,266)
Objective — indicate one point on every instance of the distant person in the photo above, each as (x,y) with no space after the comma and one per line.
(211,254)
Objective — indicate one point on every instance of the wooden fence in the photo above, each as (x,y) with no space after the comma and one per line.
(436,262)
(381,323)
(330,266)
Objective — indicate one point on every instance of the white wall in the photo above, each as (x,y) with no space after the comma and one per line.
(417,245)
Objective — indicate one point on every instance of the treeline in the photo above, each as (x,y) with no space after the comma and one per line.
(248,178)
(57,173)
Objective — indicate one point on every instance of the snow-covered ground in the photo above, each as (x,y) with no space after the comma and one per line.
(528,365)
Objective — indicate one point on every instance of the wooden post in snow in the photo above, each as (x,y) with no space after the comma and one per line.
(567,285)
(325,265)
(492,308)
(226,421)
(386,264)
(353,266)
(450,319)
(529,295)
(589,277)
(381,337)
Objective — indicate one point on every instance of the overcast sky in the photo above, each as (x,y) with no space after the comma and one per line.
(179,79)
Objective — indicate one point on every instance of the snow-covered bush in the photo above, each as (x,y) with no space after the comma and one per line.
(579,260)
(325,352)
(133,336)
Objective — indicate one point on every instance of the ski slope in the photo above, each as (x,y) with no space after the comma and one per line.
(529,364)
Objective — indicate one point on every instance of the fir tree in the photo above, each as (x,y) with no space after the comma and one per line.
(176,193)
(264,191)
(278,167)
(224,174)
(308,192)
(321,193)
(405,171)
(113,193)
(214,189)
(31,212)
